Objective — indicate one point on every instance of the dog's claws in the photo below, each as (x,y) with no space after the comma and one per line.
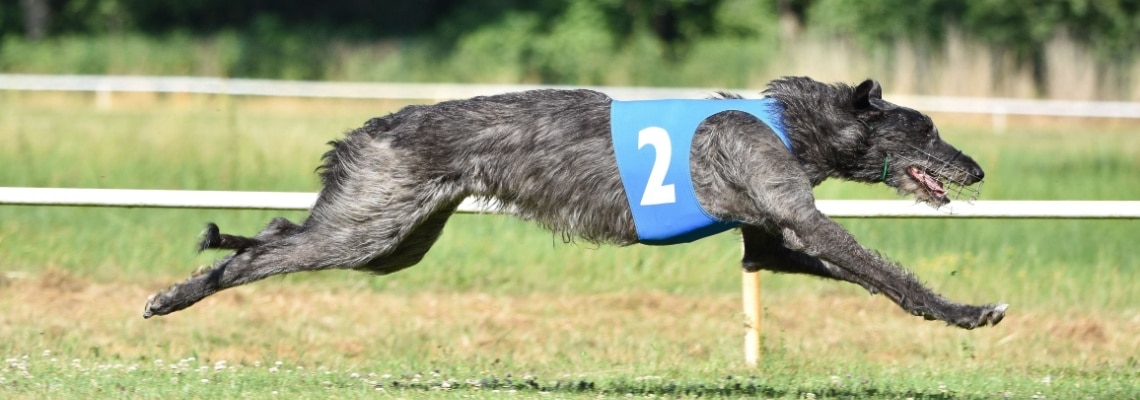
(998,313)
(149,307)
(975,316)
(201,270)
(161,303)
(990,316)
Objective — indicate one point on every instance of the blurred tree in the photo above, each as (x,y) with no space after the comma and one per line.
(93,16)
(1022,27)
(1019,24)
(351,18)
(875,22)
(577,45)
(574,40)
(37,16)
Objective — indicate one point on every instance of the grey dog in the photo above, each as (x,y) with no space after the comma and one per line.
(547,156)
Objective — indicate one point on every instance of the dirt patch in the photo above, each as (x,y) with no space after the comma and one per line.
(59,280)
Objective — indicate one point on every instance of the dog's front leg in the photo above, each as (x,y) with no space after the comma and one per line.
(831,243)
(768,248)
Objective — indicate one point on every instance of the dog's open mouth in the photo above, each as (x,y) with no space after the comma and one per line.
(934,181)
(929,182)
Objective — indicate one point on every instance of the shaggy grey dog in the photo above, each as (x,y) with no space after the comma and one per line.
(548,156)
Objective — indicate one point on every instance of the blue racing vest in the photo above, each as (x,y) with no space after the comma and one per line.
(652,141)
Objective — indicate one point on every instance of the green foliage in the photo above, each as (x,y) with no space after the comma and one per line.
(94,16)
(746,19)
(1109,27)
(11,20)
(262,49)
(173,54)
(498,52)
(879,22)
(594,42)
(612,42)
(577,46)
(1021,27)
(578,41)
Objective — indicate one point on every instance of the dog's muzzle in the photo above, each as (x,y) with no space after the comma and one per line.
(941,180)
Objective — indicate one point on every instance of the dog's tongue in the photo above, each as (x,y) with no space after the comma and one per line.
(930,182)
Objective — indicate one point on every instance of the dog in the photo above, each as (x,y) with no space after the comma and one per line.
(552,156)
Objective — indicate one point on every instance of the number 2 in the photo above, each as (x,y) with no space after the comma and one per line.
(656,192)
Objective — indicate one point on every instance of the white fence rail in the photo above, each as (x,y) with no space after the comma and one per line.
(302,201)
(443,91)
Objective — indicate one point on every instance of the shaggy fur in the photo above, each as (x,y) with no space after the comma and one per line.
(547,156)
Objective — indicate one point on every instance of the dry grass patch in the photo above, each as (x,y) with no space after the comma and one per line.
(330,325)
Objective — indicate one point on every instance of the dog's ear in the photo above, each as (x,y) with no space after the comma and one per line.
(866,91)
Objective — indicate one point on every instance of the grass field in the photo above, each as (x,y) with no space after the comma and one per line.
(503,308)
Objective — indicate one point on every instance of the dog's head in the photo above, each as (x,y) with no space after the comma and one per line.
(913,158)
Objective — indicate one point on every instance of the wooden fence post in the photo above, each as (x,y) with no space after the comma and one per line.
(751,297)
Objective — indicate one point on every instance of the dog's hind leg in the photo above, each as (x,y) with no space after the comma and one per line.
(413,248)
(399,230)
(213,239)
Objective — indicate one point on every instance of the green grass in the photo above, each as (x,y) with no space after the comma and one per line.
(191,377)
(513,299)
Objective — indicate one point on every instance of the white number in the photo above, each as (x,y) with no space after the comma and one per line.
(655,191)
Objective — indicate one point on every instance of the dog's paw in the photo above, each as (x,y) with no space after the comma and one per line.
(161,303)
(997,312)
(988,315)
(211,237)
(154,305)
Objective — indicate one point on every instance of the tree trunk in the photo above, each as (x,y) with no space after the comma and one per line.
(37,16)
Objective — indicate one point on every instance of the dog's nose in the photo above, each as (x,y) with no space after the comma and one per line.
(977,171)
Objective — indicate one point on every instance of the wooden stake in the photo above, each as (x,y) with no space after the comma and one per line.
(751,317)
